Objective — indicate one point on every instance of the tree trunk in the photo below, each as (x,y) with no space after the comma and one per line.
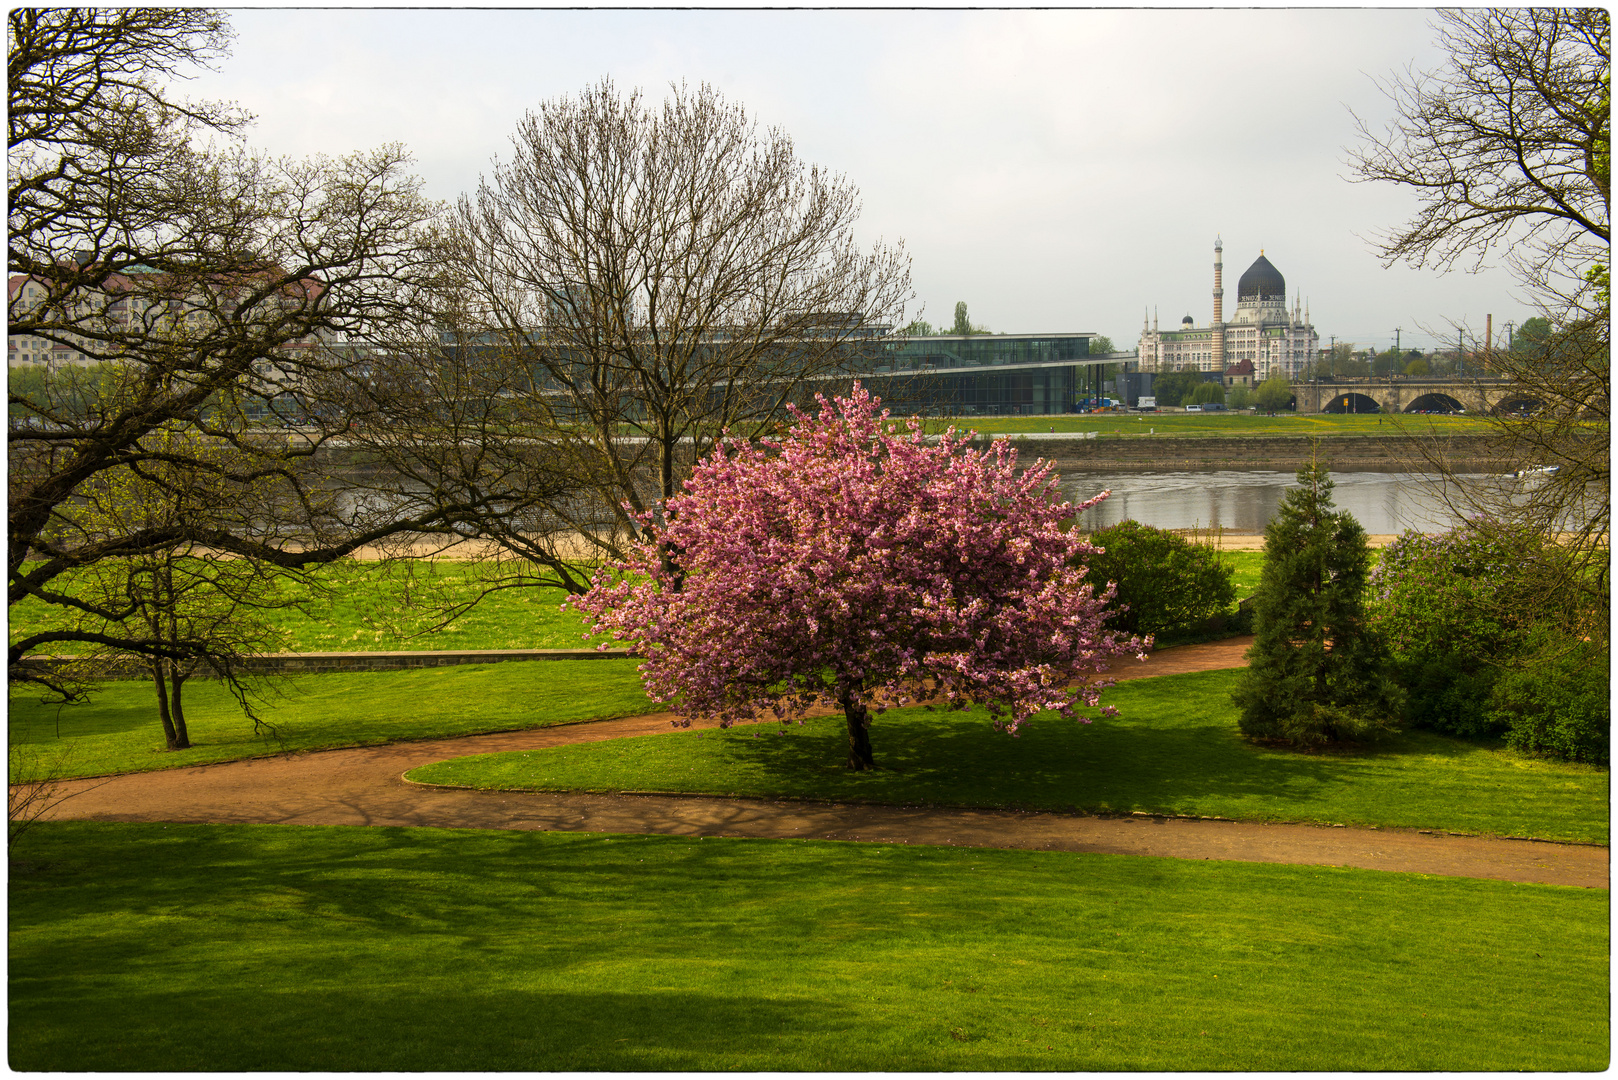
(859,733)
(163,705)
(670,554)
(182,737)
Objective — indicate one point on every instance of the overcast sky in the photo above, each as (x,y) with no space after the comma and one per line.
(1057,170)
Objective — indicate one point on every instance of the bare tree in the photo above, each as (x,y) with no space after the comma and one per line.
(632,282)
(1505,147)
(201,610)
(207,291)
(1508,149)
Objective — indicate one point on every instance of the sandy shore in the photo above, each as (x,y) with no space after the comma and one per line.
(1255,541)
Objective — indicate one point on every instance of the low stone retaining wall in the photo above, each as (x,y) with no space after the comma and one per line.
(1282,453)
(327,662)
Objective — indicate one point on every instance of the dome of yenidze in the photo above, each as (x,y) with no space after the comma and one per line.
(1261,282)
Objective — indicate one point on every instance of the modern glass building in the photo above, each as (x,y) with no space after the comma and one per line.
(985,374)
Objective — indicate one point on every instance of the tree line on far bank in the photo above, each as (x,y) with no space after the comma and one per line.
(1178,388)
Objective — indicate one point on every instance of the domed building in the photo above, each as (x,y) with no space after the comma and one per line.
(1261,330)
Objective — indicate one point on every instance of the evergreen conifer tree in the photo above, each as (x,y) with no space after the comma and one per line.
(1318,672)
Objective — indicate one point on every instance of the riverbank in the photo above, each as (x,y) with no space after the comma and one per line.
(1281,453)
(1248,541)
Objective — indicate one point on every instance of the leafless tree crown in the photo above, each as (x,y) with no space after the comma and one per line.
(637,279)
(1503,146)
(185,290)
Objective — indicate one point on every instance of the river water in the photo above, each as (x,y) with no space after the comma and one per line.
(1243,501)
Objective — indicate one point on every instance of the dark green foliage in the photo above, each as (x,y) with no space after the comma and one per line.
(1532,337)
(1206,392)
(1165,582)
(1175,387)
(1319,671)
(1455,609)
(1273,394)
(1449,692)
(1479,649)
(1560,704)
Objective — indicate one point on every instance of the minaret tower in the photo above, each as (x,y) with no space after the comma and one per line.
(1219,305)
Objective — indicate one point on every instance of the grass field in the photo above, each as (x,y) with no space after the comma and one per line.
(235,948)
(1174,749)
(371,607)
(1225,424)
(1247,567)
(118,730)
(368,607)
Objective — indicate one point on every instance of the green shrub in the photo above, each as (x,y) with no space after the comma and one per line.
(1166,584)
(1457,610)
(1318,672)
(1449,692)
(1558,704)
(1208,391)
(1461,592)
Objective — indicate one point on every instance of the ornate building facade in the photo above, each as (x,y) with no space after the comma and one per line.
(1262,330)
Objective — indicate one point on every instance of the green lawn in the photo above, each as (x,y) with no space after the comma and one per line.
(371,607)
(118,731)
(286,948)
(367,607)
(1174,749)
(1248,567)
(1107,425)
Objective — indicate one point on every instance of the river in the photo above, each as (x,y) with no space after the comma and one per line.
(1243,501)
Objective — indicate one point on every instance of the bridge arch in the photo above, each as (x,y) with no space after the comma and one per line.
(1434,402)
(1517,406)
(1352,402)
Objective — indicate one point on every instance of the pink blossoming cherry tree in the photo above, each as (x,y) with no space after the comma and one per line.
(849,563)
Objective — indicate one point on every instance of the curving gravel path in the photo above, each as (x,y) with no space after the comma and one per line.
(365,786)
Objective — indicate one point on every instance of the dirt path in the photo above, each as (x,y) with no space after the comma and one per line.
(365,786)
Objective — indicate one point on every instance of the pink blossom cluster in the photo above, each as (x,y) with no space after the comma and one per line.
(849,563)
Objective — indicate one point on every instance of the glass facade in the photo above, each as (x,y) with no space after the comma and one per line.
(981,350)
(981,374)
(985,393)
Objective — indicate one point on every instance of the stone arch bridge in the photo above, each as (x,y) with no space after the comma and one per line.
(1407,393)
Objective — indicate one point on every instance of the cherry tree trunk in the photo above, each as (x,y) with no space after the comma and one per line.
(859,733)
